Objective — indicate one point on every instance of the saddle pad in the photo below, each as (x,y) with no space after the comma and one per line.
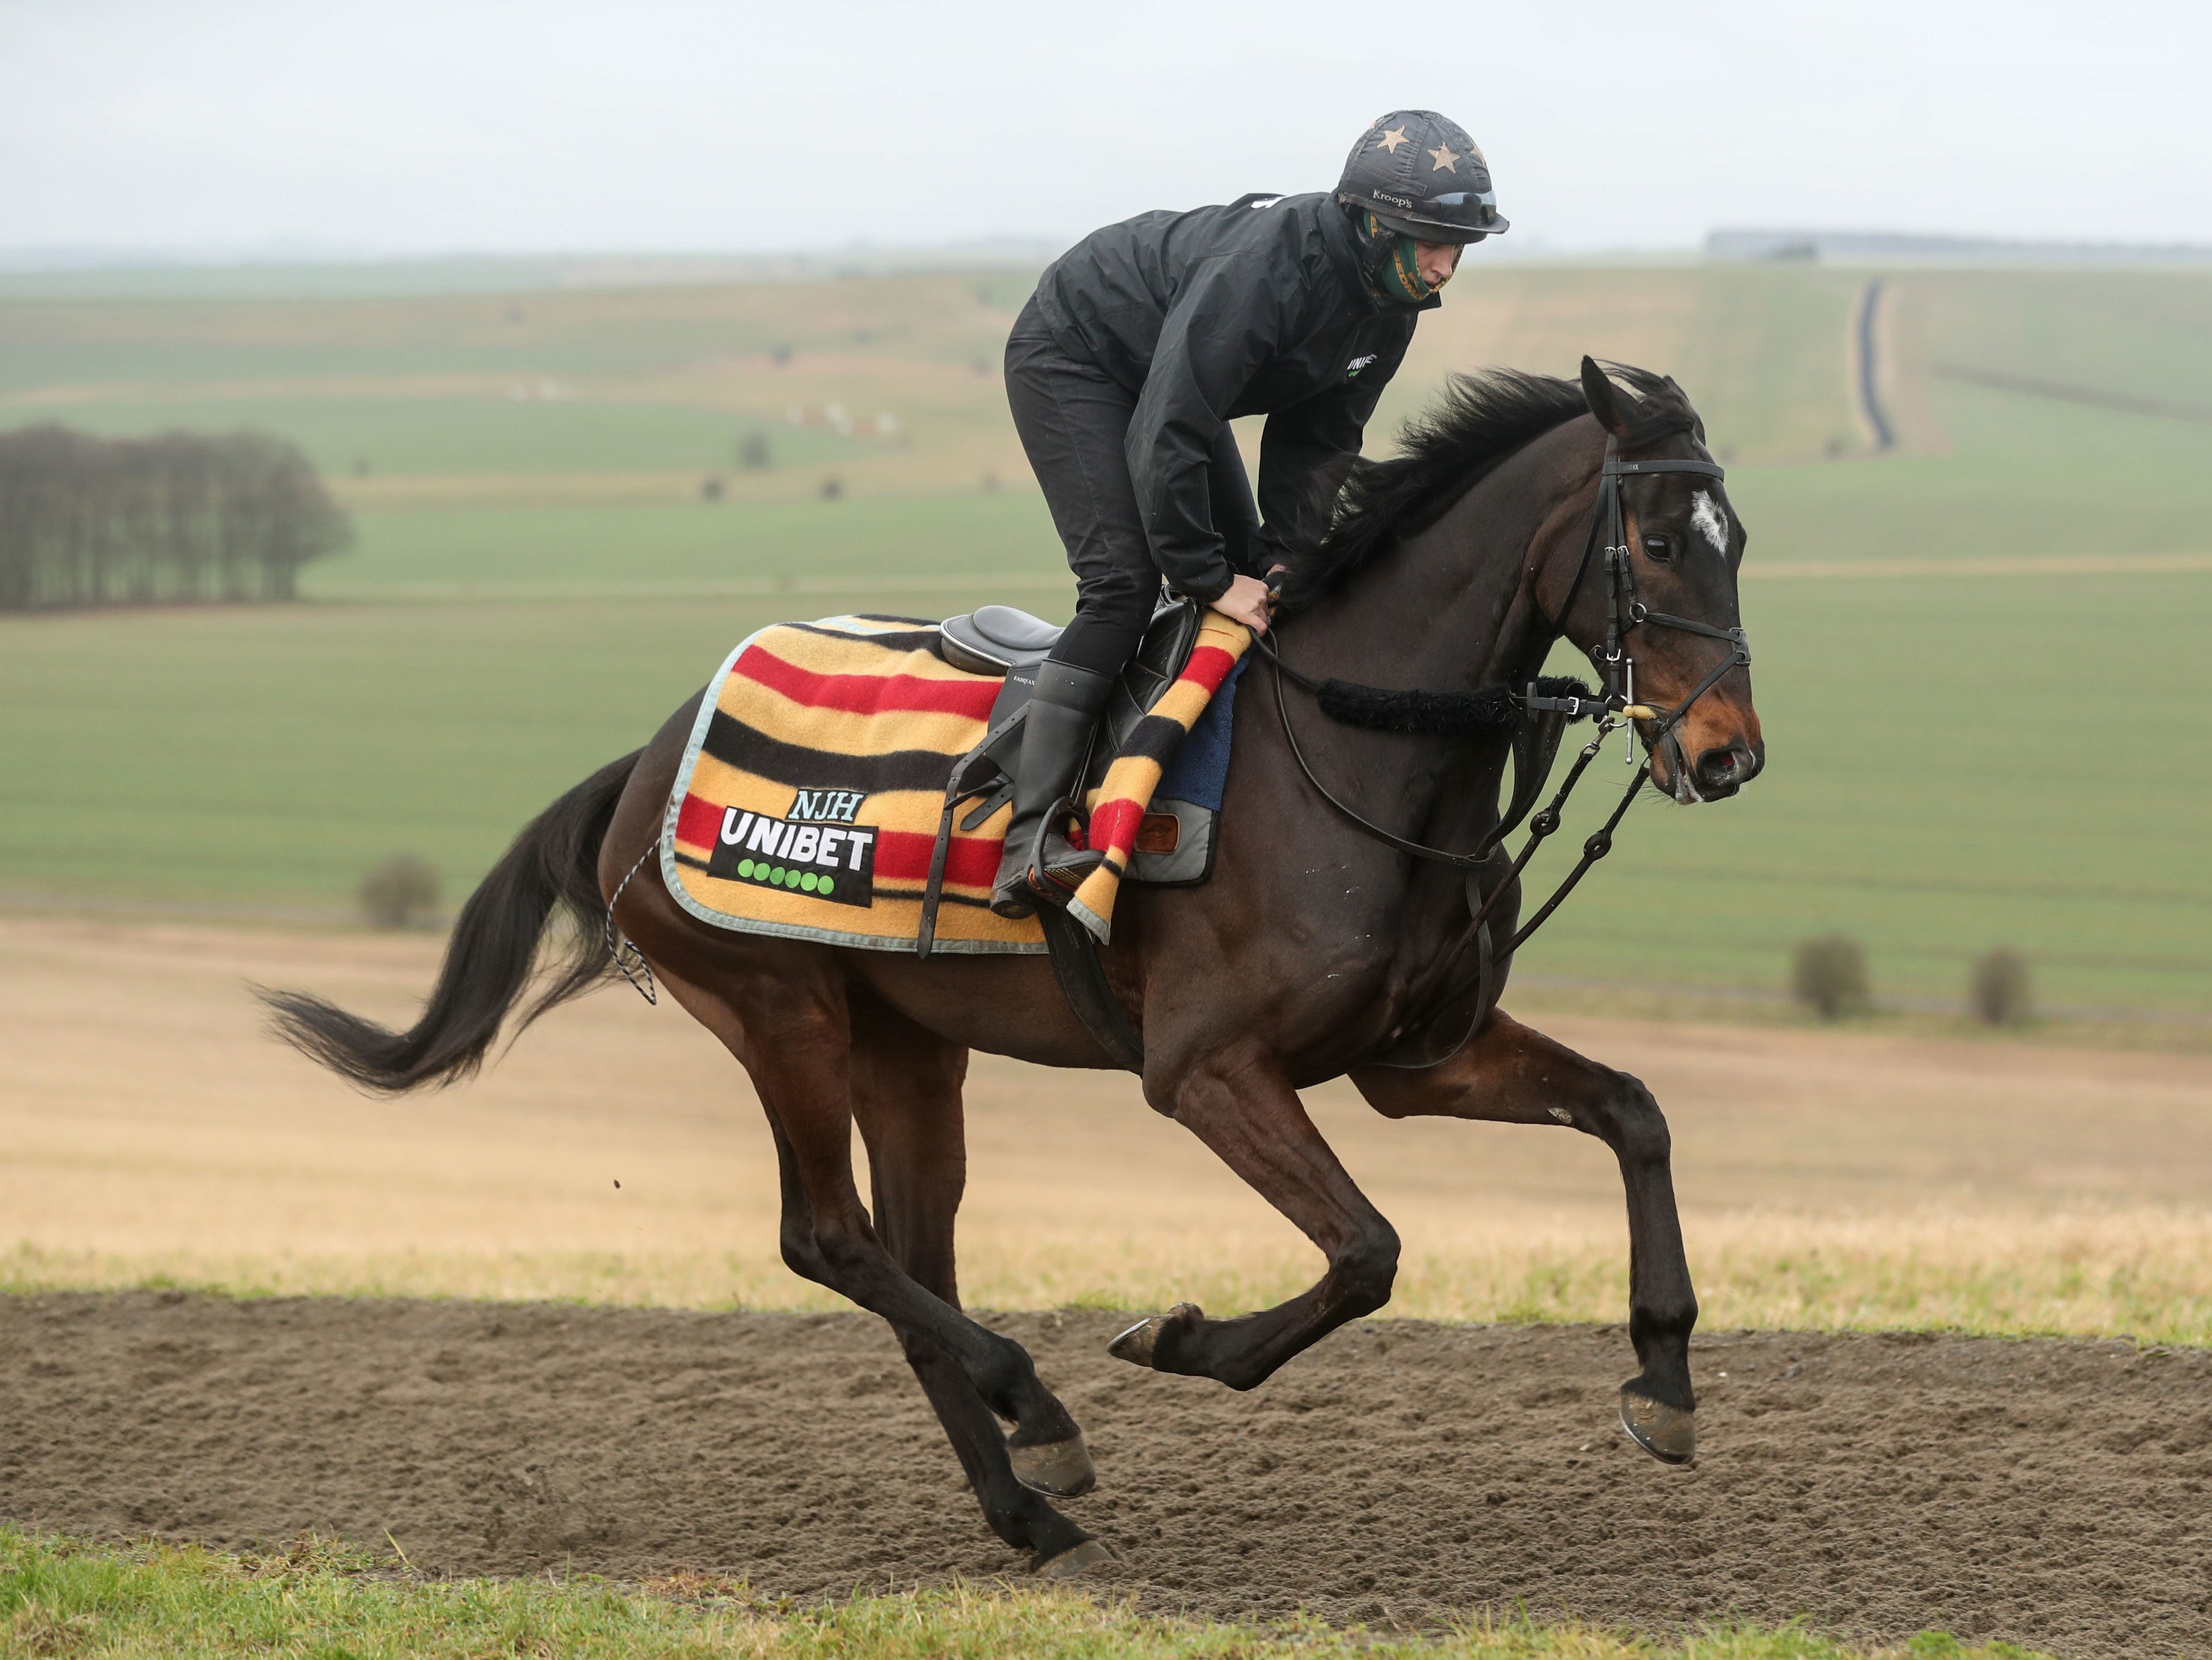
(808,796)
(808,800)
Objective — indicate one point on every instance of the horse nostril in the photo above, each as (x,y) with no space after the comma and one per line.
(1725,768)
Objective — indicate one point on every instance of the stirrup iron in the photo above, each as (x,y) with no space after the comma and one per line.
(1037,873)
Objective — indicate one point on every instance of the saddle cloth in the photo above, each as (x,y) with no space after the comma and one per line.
(808,801)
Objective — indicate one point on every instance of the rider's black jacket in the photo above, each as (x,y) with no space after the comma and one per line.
(1255,308)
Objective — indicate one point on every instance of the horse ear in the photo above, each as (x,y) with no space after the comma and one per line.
(1604,397)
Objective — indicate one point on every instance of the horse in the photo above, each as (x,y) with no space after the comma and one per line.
(1312,948)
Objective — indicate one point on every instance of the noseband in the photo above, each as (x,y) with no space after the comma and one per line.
(1615,706)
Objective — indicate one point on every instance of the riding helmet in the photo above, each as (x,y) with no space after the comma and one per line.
(1422,176)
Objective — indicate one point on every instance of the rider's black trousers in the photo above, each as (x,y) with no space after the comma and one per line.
(1072,418)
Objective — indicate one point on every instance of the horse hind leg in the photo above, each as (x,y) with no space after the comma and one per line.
(786,1014)
(907,1101)
(797,1046)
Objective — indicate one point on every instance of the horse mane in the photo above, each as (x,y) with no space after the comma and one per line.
(1481,419)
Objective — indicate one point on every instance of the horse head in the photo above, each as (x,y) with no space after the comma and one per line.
(1667,604)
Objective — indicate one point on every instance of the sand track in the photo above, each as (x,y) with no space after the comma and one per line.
(2048,1493)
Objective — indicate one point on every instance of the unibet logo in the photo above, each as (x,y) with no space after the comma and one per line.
(834,861)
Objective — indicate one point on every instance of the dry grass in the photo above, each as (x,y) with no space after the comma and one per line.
(1827,1178)
(2142,1273)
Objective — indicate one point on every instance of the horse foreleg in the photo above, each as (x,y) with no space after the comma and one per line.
(906,1099)
(1508,1074)
(1246,1110)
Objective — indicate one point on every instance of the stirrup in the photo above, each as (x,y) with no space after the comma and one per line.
(1039,875)
(1014,902)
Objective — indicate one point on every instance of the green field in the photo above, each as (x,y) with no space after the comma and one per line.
(323,1598)
(1958,758)
(686,550)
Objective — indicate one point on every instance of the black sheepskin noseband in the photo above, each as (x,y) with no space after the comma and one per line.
(1437,714)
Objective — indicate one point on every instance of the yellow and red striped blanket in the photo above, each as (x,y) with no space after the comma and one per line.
(808,801)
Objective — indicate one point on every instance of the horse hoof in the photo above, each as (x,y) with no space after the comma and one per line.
(1059,1470)
(1136,1344)
(1077,1557)
(1668,1433)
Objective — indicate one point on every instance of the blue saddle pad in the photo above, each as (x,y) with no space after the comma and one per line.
(1190,792)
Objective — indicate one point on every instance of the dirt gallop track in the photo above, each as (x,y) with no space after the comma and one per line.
(2048,1493)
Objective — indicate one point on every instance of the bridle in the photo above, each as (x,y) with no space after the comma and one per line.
(1613,707)
(1624,612)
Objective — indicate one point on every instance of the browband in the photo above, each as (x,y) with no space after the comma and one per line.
(1709,469)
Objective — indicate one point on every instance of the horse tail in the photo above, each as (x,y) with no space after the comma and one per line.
(489,958)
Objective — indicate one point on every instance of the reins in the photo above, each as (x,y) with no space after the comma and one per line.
(1434,854)
(1613,707)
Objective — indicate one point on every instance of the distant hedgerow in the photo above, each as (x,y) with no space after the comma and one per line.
(1997,989)
(144,521)
(400,892)
(1829,976)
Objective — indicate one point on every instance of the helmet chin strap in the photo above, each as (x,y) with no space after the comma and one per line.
(1393,263)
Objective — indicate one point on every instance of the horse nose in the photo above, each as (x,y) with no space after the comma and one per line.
(1725,770)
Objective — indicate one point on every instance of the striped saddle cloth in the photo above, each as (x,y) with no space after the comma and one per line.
(809,798)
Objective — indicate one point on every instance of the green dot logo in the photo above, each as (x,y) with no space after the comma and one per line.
(777,874)
(745,867)
(809,881)
(827,886)
(790,879)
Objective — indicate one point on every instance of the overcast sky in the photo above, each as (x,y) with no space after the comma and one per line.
(548,126)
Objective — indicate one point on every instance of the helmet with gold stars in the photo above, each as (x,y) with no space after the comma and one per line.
(1422,176)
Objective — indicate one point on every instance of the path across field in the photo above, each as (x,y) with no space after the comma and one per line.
(2046,1493)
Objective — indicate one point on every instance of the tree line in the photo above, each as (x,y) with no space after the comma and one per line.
(141,521)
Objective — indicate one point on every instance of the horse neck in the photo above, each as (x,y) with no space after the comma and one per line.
(1449,608)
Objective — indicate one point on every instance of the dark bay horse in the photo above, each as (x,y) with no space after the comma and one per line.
(1311,948)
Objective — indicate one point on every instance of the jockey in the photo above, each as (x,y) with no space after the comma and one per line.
(1124,369)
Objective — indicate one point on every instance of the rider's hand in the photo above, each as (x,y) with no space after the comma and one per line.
(1246,602)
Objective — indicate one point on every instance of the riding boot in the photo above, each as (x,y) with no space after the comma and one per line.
(1056,737)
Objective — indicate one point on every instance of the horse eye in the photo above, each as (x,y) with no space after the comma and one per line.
(1659,548)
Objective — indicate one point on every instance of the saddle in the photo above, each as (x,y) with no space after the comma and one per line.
(998,639)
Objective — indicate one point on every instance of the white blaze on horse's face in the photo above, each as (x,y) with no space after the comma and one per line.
(1706,516)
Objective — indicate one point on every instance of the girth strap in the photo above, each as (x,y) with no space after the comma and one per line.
(1081,971)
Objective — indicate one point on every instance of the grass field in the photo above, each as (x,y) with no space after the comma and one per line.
(2003,753)
(1953,765)
(60,1596)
